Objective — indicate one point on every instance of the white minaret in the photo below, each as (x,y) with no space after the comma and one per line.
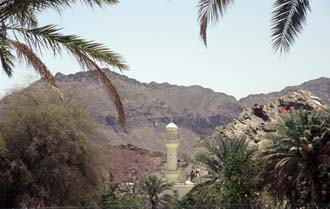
(172,172)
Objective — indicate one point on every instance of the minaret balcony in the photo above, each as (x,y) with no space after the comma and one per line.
(172,144)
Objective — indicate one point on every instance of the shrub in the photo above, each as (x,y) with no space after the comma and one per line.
(47,157)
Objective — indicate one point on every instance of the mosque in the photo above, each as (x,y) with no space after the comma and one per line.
(172,172)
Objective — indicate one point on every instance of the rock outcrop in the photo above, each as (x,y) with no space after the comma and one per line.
(256,121)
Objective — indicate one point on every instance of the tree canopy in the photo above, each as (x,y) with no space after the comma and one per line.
(46,157)
(297,164)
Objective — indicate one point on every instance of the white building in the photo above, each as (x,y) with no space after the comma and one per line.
(172,172)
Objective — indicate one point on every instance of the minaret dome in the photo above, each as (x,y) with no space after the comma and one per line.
(171,126)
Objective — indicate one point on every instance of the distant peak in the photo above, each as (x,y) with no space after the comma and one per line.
(59,74)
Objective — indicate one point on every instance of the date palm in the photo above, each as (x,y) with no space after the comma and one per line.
(288,19)
(219,150)
(153,186)
(21,37)
(297,164)
(231,163)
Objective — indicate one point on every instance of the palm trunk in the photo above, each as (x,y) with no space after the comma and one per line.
(154,202)
(316,191)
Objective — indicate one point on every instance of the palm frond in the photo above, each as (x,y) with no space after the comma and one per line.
(209,12)
(48,36)
(9,8)
(154,185)
(219,149)
(25,52)
(212,164)
(88,63)
(289,16)
(27,18)
(6,57)
(87,53)
(99,3)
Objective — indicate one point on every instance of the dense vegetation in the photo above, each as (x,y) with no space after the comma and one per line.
(152,187)
(297,166)
(233,172)
(292,169)
(46,157)
(112,199)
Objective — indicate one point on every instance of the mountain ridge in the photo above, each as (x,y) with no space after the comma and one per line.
(319,87)
(149,106)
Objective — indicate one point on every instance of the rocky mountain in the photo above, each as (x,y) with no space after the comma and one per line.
(318,87)
(255,122)
(149,107)
(129,163)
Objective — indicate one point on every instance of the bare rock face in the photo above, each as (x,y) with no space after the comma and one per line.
(128,163)
(256,121)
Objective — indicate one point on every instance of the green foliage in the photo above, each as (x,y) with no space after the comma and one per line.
(109,198)
(233,166)
(112,200)
(239,185)
(297,164)
(152,187)
(47,157)
(204,195)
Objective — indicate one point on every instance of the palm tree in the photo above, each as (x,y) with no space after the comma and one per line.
(297,162)
(230,161)
(218,150)
(288,19)
(20,33)
(153,186)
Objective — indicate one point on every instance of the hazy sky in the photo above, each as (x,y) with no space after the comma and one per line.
(160,41)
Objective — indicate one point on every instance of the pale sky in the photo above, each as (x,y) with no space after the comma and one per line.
(160,41)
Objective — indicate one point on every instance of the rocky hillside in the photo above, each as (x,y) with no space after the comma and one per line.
(128,163)
(318,87)
(149,106)
(258,120)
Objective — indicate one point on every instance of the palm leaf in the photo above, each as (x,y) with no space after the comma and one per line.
(209,12)
(6,57)
(86,52)
(88,63)
(27,18)
(49,37)
(289,16)
(154,186)
(20,7)
(25,52)
(219,149)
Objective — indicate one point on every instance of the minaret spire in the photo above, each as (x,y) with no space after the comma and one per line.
(172,143)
